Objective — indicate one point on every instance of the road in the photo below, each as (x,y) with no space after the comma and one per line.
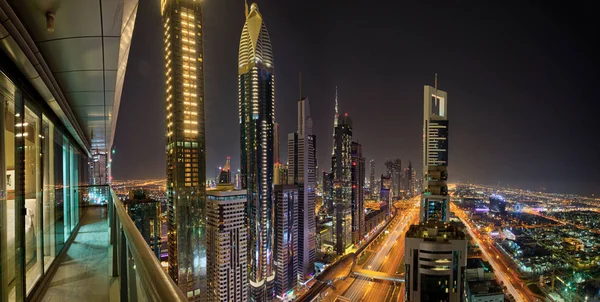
(387,258)
(502,269)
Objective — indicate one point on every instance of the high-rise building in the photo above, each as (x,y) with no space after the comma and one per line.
(186,170)
(225,174)
(280,174)
(98,168)
(436,250)
(145,213)
(358,196)
(436,203)
(328,192)
(385,198)
(302,173)
(227,235)
(408,177)
(373,189)
(286,239)
(341,164)
(394,169)
(436,260)
(256,88)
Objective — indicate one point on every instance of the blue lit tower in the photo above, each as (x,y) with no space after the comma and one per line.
(435,203)
(256,91)
(185,145)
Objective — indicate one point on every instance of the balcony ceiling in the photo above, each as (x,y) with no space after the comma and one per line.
(87,55)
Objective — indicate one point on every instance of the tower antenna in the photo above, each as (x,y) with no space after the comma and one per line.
(436,94)
(246,8)
(300,85)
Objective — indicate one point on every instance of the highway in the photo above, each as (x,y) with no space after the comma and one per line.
(387,258)
(502,270)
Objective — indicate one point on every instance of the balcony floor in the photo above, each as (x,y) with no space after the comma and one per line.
(83,275)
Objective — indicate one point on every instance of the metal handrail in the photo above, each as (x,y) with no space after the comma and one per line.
(157,285)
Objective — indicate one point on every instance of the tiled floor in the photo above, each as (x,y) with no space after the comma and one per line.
(84,275)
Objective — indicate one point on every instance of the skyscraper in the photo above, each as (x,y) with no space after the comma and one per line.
(394,169)
(358,194)
(435,258)
(256,88)
(328,192)
(186,170)
(410,184)
(302,172)
(435,204)
(225,174)
(341,165)
(286,239)
(373,189)
(227,235)
(436,250)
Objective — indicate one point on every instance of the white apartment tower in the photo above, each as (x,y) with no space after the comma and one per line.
(227,236)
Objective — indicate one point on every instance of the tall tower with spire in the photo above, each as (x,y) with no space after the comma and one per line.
(335,118)
(303,173)
(256,93)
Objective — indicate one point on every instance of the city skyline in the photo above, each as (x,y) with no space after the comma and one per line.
(485,77)
(273,229)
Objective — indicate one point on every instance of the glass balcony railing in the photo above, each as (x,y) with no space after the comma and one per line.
(141,277)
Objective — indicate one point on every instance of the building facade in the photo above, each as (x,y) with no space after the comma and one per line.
(436,259)
(286,239)
(145,213)
(302,172)
(186,163)
(227,236)
(435,203)
(341,163)
(358,194)
(256,89)
(373,189)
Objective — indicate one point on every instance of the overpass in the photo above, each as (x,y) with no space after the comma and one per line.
(379,275)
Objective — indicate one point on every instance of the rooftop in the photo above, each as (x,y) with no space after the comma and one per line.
(489,287)
(437,231)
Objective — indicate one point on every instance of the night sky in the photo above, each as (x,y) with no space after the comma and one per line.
(520,76)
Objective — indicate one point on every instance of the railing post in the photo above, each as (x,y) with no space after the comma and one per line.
(123,259)
(131,278)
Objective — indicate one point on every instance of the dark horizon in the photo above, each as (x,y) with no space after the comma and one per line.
(516,74)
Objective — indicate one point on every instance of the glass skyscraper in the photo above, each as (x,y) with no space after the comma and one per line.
(256,88)
(186,167)
(341,166)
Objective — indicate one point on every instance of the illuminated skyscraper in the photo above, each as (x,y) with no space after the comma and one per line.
(256,88)
(227,235)
(358,193)
(225,174)
(302,173)
(410,181)
(186,171)
(341,166)
(436,203)
(436,250)
(373,189)
(286,239)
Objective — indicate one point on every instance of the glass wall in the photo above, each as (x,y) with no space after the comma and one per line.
(41,172)
(7,189)
(33,241)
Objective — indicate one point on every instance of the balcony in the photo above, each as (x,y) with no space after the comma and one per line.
(108,259)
